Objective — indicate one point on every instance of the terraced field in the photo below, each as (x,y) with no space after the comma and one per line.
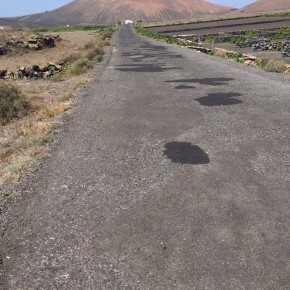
(221,26)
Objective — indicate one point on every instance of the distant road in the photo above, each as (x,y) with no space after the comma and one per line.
(171,172)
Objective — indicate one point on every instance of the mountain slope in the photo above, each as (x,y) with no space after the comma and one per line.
(267,5)
(112,11)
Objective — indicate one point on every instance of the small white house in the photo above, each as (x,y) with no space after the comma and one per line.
(129,22)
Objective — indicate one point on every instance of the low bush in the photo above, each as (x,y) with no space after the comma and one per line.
(261,63)
(13,103)
(96,54)
(89,45)
(79,66)
(282,14)
(275,66)
(72,58)
(102,43)
(107,34)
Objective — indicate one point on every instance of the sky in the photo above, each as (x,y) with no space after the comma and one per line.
(9,8)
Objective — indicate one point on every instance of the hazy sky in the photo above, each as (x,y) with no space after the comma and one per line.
(23,7)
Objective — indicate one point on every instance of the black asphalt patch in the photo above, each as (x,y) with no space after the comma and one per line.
(144,68)
(184,87)
(185,153)
(205,81)
(220,99)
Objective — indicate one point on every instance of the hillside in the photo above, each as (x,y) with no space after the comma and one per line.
(113,11)
(266,5)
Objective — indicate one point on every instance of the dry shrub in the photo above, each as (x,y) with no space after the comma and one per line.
(107,34)
(103,42)
(80,66)
(95,54)
(275,66)
(59,77)
(72,58)
(12,102)
(220,52)
(89,45)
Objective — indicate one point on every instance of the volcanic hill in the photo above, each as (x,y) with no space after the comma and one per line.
(113,11)
(266,5)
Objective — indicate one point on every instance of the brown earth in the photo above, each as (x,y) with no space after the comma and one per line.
(266,5)
(22,142)
(112,11)
(70,42)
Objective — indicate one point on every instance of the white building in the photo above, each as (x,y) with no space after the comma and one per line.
(129,22)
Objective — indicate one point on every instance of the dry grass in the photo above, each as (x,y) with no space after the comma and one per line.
(276,66)
(54,110)
(23,141)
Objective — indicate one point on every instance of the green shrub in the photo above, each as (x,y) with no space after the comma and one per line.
(261,63)
(12,103)
(282,14)
(252,33)
(209,39)
(80,66)
(94,27)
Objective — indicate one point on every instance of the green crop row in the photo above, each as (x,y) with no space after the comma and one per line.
(282,14)
(72,28)
(157,35)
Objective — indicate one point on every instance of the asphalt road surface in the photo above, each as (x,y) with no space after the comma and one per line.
(171,172)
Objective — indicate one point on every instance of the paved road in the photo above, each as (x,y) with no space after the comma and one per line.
(172,172)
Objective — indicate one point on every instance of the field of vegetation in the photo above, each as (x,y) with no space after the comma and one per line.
(245,47)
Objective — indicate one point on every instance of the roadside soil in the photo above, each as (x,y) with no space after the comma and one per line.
(23,141)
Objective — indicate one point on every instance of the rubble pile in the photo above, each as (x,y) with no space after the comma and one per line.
(286,51)
(35,71)
(261,45)
(261,40)
(34,43)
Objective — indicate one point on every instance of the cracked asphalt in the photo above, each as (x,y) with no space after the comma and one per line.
(172,171)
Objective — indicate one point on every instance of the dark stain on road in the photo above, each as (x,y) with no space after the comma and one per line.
(220,99)
(144,68)
(184,87)
(154,51)
(205,81)
(185,153)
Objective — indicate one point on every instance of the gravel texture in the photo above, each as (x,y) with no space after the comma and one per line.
(171,172)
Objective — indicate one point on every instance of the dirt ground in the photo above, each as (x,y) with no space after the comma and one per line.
(70,42)
(22,141)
